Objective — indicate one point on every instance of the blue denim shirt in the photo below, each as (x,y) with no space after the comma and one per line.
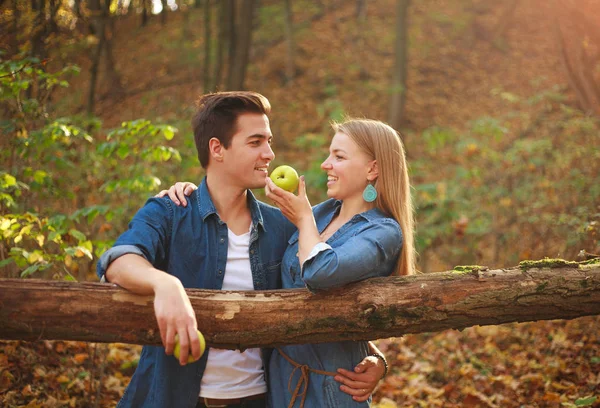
(367,246)
(191,244)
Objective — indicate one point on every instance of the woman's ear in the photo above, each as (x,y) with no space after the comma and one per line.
(373,171)
(215,149)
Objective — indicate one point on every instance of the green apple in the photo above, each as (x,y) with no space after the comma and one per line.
(285,177)
(177,349)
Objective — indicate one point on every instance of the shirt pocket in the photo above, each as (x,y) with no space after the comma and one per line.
(272,267)
(272,275)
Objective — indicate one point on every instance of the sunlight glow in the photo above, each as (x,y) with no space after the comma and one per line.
(157,6)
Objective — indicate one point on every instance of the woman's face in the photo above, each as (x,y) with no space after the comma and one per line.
(347,167)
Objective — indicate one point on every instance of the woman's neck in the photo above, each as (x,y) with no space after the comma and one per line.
(352,207)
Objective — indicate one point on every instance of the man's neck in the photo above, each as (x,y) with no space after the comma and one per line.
(230,202)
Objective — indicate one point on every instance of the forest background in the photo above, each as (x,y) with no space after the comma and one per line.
(498,103)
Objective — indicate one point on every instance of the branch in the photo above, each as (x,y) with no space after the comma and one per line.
(372,309)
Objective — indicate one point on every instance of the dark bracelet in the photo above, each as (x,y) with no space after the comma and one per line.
(385,364)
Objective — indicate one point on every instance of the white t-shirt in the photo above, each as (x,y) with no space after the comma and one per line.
(231,373)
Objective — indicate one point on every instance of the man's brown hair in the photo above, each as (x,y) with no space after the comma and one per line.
(217,115)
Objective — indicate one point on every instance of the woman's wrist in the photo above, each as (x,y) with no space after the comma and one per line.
(384,361)
(307,223)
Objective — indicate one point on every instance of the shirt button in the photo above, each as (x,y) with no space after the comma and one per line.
(222,240)
(220,272)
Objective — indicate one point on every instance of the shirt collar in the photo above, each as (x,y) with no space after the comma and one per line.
(255,213)
(207,207)
(205,202)
(370,215)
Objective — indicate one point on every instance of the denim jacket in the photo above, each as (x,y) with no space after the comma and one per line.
(367,246)
(191,244)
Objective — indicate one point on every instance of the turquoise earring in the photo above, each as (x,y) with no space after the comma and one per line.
(370,193)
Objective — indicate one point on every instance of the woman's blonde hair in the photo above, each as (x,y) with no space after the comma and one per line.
(382,143)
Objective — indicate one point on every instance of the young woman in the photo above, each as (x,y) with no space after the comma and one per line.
(364,230)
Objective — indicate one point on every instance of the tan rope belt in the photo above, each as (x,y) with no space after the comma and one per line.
(304,378)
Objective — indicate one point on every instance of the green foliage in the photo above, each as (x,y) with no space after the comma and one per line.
(331,109)
(503,185)
(438,137)
(581,402)
(65,183)
(313,146)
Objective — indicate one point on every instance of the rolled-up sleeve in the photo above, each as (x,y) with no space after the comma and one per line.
(147,236)
(319,247)
(370,253)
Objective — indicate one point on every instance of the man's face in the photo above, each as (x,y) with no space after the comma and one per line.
(247,158)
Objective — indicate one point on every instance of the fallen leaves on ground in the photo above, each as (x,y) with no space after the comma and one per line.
(543,364)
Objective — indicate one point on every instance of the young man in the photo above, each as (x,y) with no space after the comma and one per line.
(224,239)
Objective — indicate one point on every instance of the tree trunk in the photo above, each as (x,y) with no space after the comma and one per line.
(243,43)
(163,12)
(111,67)
(221,43)
(372,309)
(398,88)
(16,20)
(145,12)
(207,46)
(232,35)
(290,70)
(52,24)
(361,10)
(38,48)
(97,28)
(38,40)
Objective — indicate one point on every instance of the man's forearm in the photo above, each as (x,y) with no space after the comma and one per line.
(136,274)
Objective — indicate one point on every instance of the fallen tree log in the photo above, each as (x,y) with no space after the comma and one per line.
(372,309)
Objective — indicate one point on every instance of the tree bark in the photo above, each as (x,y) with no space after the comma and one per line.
(372,309)
(398,88)
(97,27)
(243,43)
(230,7)
(111,66)
(145,12)
(207,46)
(40,31)
(15,24)
(221,44)
(163,12)
(361,10)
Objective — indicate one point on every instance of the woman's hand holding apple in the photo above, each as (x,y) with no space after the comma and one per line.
(296,208)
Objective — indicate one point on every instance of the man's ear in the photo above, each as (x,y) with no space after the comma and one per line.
(215,149)
(373,171)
